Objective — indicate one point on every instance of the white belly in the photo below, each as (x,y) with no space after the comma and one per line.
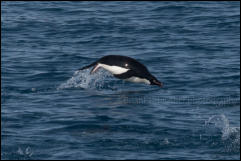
(113,69)
(138,80)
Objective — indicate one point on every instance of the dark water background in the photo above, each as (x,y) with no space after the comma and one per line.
(51,111)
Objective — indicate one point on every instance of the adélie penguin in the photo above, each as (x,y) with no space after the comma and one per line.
(125,68)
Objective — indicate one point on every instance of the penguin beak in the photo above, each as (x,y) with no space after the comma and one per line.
(156,82)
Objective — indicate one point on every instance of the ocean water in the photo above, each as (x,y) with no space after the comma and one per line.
(50,110)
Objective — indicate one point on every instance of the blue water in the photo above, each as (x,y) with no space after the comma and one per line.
(52,111)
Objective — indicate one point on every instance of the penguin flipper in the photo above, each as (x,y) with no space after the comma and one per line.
(125,75)
(88,66)
(95,68)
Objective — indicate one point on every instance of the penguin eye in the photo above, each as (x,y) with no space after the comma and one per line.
(126,65)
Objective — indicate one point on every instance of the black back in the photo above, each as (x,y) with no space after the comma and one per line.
(136,68)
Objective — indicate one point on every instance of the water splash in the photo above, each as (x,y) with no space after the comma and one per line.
(85,80)
(27,152)
(230,136)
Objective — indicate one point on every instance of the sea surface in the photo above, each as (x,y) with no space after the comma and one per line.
(50,110)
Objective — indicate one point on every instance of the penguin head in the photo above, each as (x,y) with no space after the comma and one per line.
(154,81)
